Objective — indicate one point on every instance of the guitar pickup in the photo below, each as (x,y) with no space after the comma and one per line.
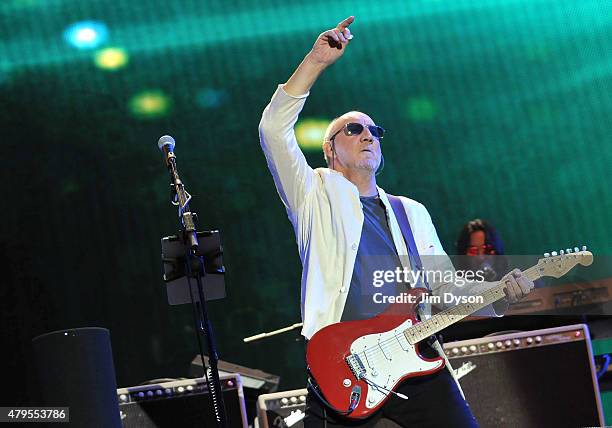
(356,365)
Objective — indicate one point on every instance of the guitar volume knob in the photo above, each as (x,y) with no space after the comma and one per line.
(346,382)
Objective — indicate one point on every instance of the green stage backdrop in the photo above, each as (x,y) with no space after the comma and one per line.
(494,109)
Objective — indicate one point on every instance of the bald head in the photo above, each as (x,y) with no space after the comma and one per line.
(340,121)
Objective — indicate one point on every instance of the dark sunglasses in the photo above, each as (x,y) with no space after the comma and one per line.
(354,128)
(474,250)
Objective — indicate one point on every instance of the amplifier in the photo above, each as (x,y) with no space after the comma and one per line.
(251,378)
(286,410)
(537,378)
(182,403)
(583,298)
(255,382)
(282,409)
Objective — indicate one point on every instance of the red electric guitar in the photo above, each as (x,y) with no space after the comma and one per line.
(357,364)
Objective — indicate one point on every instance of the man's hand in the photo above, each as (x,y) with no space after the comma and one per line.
(516,285)
(331,44)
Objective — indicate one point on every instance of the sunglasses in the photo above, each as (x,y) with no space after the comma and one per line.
(474,250)
(354,128)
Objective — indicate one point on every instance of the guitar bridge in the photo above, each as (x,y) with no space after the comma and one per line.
(356,366)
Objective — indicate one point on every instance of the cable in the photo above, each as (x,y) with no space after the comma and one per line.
(604,365)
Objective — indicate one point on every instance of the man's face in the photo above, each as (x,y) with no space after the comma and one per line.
(355,152)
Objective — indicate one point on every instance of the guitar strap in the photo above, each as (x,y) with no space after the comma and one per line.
(404,224)
(413,255)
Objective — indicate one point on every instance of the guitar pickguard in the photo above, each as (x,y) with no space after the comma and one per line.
(388,357)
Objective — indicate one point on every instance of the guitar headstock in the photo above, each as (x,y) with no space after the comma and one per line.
(558,264)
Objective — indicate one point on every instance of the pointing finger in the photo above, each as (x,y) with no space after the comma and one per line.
(344,24)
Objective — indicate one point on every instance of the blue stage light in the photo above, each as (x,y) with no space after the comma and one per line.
(86,34)
(211,98)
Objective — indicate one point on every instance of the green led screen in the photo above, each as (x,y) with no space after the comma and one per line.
(494,109)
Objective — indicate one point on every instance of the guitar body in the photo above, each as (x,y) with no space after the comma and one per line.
(376,349)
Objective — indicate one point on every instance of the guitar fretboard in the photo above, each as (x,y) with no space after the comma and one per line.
(440,321)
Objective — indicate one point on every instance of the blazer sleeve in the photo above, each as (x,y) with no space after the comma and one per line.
(292,175)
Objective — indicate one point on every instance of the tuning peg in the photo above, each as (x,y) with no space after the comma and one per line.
(584,248)
(561,252)
(546,255)
(568,251)
(554,253)
(576,249)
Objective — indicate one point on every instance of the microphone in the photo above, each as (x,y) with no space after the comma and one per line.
(166,144)
(178,196)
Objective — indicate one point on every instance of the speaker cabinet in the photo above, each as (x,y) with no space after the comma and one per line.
(183,403)
(274,409)
(539,378)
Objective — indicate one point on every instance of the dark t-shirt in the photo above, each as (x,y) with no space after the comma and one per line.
(376,252)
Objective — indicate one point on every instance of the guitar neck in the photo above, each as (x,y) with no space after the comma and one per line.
(452,315)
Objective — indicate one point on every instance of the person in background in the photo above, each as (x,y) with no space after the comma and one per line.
(480,247)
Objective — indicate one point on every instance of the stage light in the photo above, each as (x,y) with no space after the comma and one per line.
(210,98)
(150,104)
(111,59)
(310,133)
(86,34)
(421,109)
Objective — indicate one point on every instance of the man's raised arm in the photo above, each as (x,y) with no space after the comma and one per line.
(292,175)
(329,46)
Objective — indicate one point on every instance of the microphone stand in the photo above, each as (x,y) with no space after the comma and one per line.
(181,198)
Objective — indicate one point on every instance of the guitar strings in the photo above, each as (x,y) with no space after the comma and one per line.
(373,353)
(380,347)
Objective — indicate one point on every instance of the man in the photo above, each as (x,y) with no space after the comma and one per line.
(342,219)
